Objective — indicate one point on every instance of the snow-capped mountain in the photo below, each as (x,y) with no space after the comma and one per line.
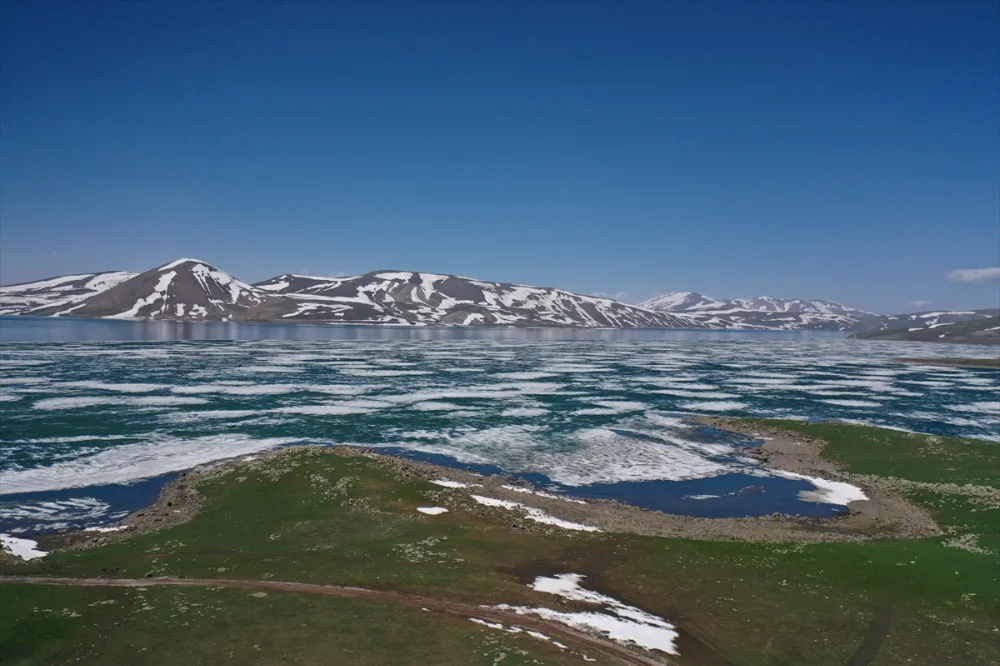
(932,319)
(183,289)
(189,289)
(64,290)
(193,290)
(403,297)
(976,327)
(760,313)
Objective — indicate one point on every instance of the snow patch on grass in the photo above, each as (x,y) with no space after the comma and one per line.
(26,549)
(534,514)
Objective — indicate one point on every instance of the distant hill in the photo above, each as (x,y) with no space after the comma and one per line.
(404,297)
(979,331)
(768,313)
(63,291)
(193,290)
(760,313)
(183,289)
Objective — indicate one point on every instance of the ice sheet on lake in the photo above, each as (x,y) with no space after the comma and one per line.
(131,462)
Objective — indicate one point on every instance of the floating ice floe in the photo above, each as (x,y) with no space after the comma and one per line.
(714,406)
(26,549)
(130,462)
(827,492)
(534,514)
(617,620)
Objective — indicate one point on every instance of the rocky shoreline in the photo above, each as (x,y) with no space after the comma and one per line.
(886,514)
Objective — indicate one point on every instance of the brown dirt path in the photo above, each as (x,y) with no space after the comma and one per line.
(607,649)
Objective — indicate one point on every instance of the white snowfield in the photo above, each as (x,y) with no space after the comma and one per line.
(760,313)
(403,297)
(66,290)
(616,620)
(26,549)
(191,289)
(534,514)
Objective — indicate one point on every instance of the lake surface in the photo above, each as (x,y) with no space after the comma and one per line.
(91,429)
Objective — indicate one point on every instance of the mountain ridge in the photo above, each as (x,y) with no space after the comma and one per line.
(193,290)
(761,312)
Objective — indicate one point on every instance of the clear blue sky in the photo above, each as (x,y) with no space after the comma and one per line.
(843,150)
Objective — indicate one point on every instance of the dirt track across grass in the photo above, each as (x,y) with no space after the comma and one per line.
(593,643)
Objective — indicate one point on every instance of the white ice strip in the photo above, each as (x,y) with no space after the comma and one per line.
(77,509)
(75,438)
(113,528)
(827,492)
(447,483)
(518,489)
(852,403)
(524,376)
(707,395)
(436,406)
(524,411)
(432,510)
(5,381)
(762,381)
(227,389)
(571,368)
(616,620)
(701,497)
(191,415)
(534,514)
(129,401)
(714,406)
(323,410)
(118,388)
(26,549)
(666,421)
(131,462)
(488,392)
(359,372)
(988,408)
(620,406)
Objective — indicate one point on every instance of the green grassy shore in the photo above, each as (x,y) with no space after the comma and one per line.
(310,516)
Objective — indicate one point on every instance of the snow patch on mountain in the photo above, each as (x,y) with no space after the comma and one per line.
(65,291)
(762,312)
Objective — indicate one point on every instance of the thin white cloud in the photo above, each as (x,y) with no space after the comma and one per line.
(919,304)
(974,275)
(618,296)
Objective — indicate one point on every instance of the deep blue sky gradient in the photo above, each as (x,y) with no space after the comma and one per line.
(843,150)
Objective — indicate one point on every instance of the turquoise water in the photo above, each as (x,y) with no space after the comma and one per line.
(90,429)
